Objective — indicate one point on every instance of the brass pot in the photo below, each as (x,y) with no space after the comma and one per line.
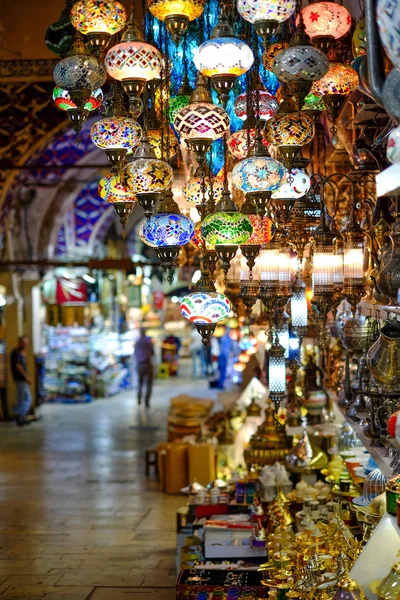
(383,358)
(355,333)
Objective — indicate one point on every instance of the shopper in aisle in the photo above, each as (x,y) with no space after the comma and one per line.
(144,352)
(198,355)
(19,370)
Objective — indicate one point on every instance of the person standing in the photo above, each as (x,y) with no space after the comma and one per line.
(144,352)
(22,381)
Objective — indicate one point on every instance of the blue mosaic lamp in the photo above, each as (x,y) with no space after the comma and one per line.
(167,230)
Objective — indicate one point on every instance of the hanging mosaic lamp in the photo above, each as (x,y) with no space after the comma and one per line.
(339,82)
(192,191)
(181,100)
(276,372)
(268,266)
(167,229)
(267,105)
(147,176)
(238,145)
(223,57)
(263,232)
(289,130)
(298,186)
(198,241)
(201,122)
(80,74)
(265,15)
(325,22)
(300,64)
(313,106)
(116,132)
(161,137)
(133,61)
(112,189)
(63,100)
(270,53)
(176,14)
(226,229)
(299,307)
(60,35)
(98,20)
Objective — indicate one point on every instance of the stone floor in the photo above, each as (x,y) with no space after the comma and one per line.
(78,518)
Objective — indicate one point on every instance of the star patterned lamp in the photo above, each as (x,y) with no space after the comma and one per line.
(116,193)
(265,15)
(176,14)
(223,58)
(133,61)
(193,190)
(238,142)
(98,20)
(325,22)
(289,131)
(268,105)
(158,140)
(167,230)
(80,74)
(147,176)
(201,122)
(300,64)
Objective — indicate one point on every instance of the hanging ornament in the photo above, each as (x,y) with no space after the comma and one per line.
(265,105)
(299,186)
(223,58)
(300,64)
(324,267)
(313,106)
(265,15)
(63,100)
(270,53)
(181,100)
(168,230)
(325,22)
(339,82)
(238,142)
(276,372)
(98,20)
(176,14)
(133,61)
(80,74)
(60,34)
(192,191)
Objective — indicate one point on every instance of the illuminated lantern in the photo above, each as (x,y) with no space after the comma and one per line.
(205,307)
(325,21)
(268,105)
(146,174)
(238,142)
(276,372)
(63,100)
(266,15)
(258,173)
(289,131)
(176,14)
(298,186)
(98,20)
(193,193)
(113,190)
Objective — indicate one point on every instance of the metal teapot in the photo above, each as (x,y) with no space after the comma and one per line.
(383,358)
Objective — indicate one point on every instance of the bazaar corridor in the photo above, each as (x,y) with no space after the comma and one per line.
(79,519)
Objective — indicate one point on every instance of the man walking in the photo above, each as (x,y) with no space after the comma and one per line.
(20,375)
(144,352)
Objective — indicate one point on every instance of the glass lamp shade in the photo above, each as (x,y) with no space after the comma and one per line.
(263,231)
(167,229)
(290,129)
(237,142)
(260,10)
(147,176)
(193,193)
(324,264)
(285,267)
(267,102)
(300,63)
(338,270)
(162,9)
(113,190)
(79,72)
(116,132)
(143,238)
(326,19)
(134,60)
(298,187)
(198,241)
(313,102)
(226,228)
(201,120)
(299,309)
(258,174)
(175,104)
(283,336)
(340,79)
(277,374)
(353,263)
(268,264)
(63,100)
(223,56)
(205,307)
(270,53)
(98,16)
(294,346)
(157,139)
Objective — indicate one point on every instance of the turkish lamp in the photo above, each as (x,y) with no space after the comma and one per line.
(268,266)
(201,122)
(98,20)
(181,99)
(147,177)
(133,61)
(60,35)
(276,373)
(176,15)
(323,266)
(167,230)
(266,16)
(226,229)
(300,64)
(252,248)
(223,58)
(338,271)
(353,261)
(299,307)
(325,22)
(285,270)
(80,74)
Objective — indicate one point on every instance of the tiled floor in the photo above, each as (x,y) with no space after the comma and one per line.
(78,518)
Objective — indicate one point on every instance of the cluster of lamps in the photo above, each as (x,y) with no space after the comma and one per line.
(257,245)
